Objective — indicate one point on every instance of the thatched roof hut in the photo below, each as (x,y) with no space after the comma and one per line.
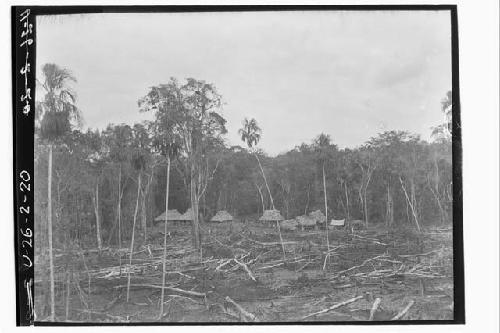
(289,225)
(271,215)
(173,215)
(222,216)
(337,223)
(306,221)
(187,216)
(318,216)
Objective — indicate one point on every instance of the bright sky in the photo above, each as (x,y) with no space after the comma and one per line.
(348,74)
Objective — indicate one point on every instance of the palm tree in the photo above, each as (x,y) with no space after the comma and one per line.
(443,132)
(58,113)
(250,134)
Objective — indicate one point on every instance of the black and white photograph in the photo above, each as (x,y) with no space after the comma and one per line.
(246,166)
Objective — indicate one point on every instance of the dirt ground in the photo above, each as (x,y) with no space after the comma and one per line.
(242,274)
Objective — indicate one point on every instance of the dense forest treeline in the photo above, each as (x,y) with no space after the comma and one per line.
(103,183)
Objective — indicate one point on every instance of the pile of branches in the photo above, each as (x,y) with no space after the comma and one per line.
(385,265)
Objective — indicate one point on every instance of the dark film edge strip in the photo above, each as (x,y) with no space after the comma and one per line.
(458,250)
(23,80)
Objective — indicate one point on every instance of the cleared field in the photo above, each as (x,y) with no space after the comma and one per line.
(243,275)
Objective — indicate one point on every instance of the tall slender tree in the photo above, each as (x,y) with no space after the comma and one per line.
(193,110)
(139,160)
(251,133)
(143,140)
(118,139)
(166,142)
(58,113)
(367,163)
(324,149)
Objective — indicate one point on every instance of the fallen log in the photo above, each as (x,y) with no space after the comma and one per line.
(180,291)
(374,308)
(223,264)
(184,297)
(336,306)
(270,243)
(111,304)
(266,267)
(404,311)
(257,258)
(180,273)
(244,312)
(420,254)
(358,266)
(374,240)
(249,272)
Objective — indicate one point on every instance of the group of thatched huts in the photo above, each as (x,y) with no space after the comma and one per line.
(312,220)
(272,216)
(176,218)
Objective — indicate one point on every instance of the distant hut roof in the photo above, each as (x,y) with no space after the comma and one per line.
(221,216)
(271,215)
(289,224)
(318,216)
(173,215)
(187,216)
(337,223)
(305,220)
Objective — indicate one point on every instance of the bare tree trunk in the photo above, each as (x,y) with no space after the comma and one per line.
(120,193)
(285,190)
(265,180)
(407,212)
(272,205)
(196,220)
(365,181)
(365,194)
(326,216)
(194,208)
(348,217)
(261,198)
(411,206)
(49,220)
(133,233)
(77,213)
(96,212)
(413,196)
(68,292)
(365,207)
(360,194)
(281,240)
(307,202)
(389,208)
(143,206)
(165,239)
(435,191)
(341,203)
(144,218)
(218,204)
(120,208)
(442,212)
